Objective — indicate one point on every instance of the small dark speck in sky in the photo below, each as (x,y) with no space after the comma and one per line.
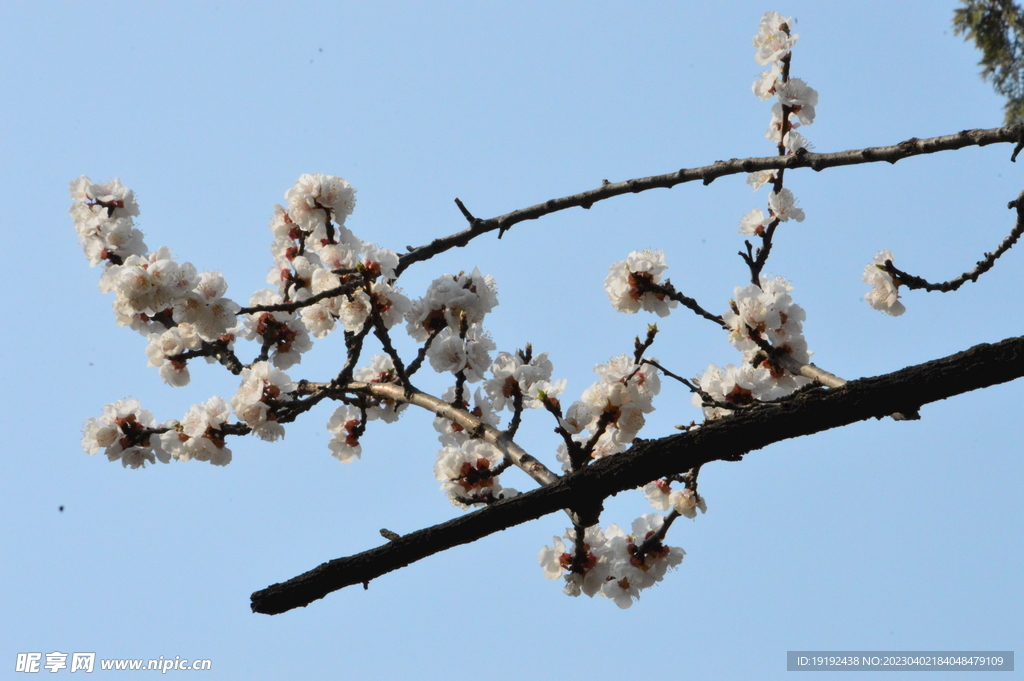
(61,509)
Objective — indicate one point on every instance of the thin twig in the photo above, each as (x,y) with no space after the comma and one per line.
(669,291)
(299,304)
(984,265)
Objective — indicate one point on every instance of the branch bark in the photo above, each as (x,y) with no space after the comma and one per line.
(708,174)
(724,440)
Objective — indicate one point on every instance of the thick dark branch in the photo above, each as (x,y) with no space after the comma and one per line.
(726,439)
(707,174)
(982,266)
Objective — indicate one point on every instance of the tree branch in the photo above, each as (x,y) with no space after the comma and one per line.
(707,174)
(984,265)
(727,439)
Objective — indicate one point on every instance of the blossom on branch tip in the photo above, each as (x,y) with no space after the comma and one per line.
(774,40)
(884,294)
(628,283)
(103,214)
(317,199)
(123,431)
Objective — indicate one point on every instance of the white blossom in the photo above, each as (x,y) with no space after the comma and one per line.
(783,206)
(769,313)
(450,353)
(800,97)
(510,371)
(121,430)
(884,294)
(448,300)
(450,433)
(686,502)
(283,332)
(754,222)
(794,142)
(466,474)
(318,198)
(381,370)
(198,436)
(262,391)
(344,423)
(741,386)
(613,565)
(756,180)
(764,86)
(379,261)
(626,279)
(774,40)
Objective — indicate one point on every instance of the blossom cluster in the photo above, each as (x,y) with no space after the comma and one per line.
(263,391)
(757,315)
(794,106)
(349,420)
(125,431)
(315,254)
(685,501)
(103,214)
(199,435)
(521,374)
(611,411)
(129,434)
(614,566)
(453,311)
(469,473)
(171,303)
(466,465)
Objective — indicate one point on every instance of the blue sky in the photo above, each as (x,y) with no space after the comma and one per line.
(882,535)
